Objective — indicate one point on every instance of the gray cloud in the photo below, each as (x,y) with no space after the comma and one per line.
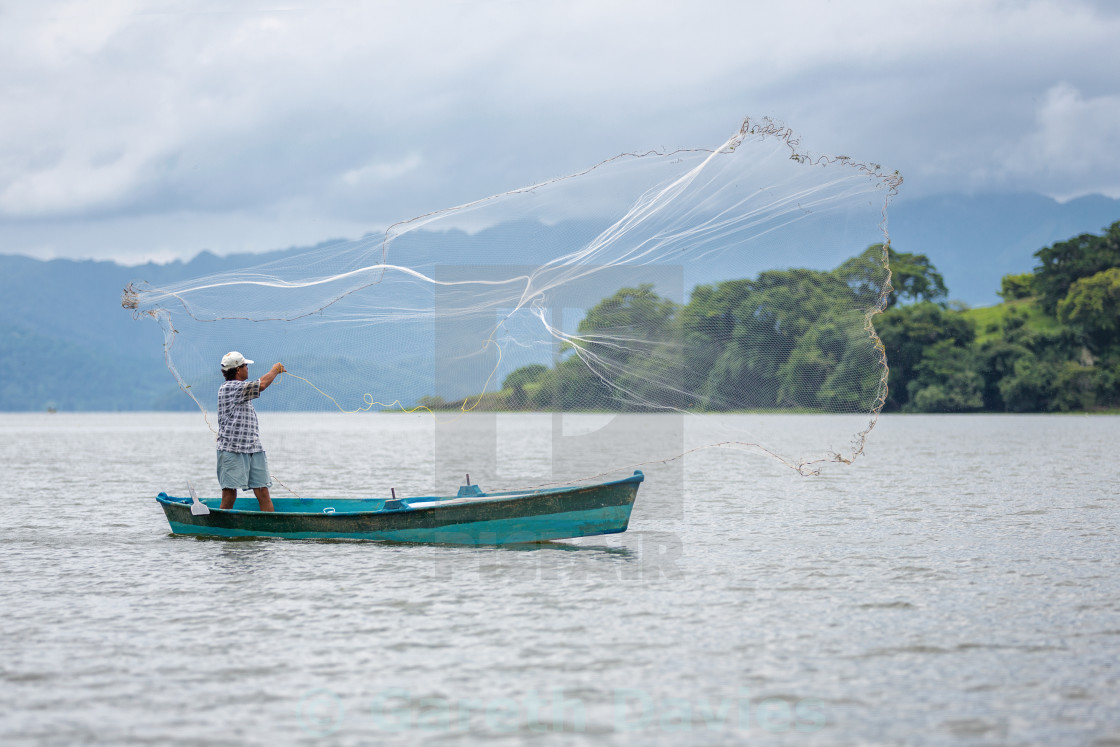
(156,129)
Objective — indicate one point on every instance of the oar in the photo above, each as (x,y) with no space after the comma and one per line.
(198,508)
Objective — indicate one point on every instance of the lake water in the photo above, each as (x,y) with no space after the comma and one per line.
(958,583)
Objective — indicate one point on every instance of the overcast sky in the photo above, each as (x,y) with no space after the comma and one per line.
(153,130)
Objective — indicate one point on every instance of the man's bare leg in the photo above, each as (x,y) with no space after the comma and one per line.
(229,495)
(264,499)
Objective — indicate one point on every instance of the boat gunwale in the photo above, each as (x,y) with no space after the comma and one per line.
(440,501)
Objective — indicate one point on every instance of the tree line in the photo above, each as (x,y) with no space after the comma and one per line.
(798,340)
(1052,345)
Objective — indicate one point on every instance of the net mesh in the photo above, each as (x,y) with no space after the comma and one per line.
(730,283)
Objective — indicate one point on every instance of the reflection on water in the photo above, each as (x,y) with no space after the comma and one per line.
(956,583)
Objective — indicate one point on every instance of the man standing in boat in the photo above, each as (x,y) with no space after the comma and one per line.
(241,460)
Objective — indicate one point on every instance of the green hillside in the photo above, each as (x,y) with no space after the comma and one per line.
(989,321)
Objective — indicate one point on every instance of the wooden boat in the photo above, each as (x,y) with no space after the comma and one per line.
(472,517)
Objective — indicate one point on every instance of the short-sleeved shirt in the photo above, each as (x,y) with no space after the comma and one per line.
(238,430)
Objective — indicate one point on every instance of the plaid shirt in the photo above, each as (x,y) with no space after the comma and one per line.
(237,420)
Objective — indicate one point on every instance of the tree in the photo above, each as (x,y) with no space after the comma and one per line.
(626,356)
(913,277)
(636,314)
(907,332)
(946,380)
(1066,262)
(865,275)
(835,366)
(1015,287)
(1040,385)
(1093,305)
(707,324)
(525,375)
(757,342)
(995,361)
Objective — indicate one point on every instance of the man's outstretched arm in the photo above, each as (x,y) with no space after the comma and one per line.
(269,377)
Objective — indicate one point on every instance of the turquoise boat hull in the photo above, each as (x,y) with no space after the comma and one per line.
(472,517)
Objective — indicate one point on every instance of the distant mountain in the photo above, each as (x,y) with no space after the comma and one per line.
(65,341)
(975,240)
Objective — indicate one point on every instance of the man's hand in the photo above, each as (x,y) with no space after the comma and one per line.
(273,372)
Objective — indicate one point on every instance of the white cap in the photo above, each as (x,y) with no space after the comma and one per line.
(233,360)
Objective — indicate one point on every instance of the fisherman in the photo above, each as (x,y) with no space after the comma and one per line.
(241,460)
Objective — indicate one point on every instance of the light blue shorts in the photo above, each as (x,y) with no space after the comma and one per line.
(243,471)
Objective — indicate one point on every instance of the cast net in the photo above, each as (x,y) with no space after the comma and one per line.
(732,287)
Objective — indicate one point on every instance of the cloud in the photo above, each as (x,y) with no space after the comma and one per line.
(1074,146)
(358,114)
(381,172)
